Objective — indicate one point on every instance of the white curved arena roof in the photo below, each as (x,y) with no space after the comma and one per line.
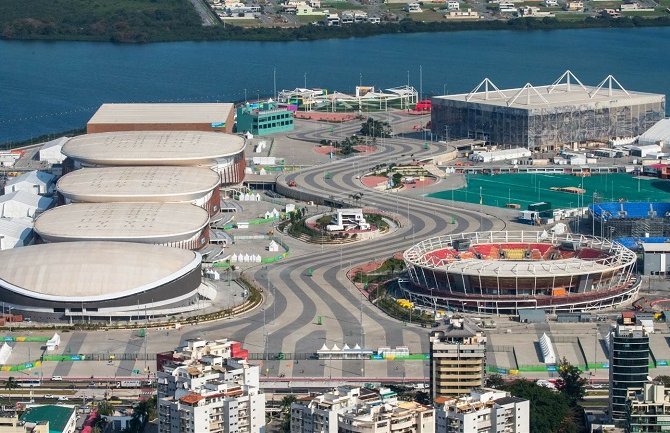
(138,222)
(153,147)
(91,271)
(138,184)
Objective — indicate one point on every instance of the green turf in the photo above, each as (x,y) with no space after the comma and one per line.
(531,188)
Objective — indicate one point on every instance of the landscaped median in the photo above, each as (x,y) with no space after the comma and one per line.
(314,229)
(373,280)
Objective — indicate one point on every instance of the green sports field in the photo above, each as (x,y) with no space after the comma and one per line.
(498,190)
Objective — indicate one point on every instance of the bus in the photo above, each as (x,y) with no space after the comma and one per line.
(29,383)
(129,384)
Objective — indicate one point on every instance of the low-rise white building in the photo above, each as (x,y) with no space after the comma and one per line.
(332,20)
(500,155)
(8,159)
(462,15)
(348,219)
(413,8)
(204,387)
(23,204)
(51,151)
(15,232)
(483,411)
(453,5)
(360,17)
(575,6)
(37,182)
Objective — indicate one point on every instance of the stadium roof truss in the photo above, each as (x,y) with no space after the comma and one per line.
(535,95)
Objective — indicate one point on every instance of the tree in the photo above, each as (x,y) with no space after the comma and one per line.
(286,403)
(494,381)
(397,179)
(571,383)
(548,409)
(11,384)
(665,380)
(375,128)
(105,408)
(143,411)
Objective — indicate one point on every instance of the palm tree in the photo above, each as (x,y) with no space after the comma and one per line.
(10,385)
(286,412)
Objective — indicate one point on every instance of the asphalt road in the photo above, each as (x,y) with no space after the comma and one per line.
(297,299)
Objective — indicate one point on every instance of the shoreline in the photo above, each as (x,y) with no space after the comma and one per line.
(314,33)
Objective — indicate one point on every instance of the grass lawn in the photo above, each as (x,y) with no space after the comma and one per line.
(648,14)
(606,5)
(427,15)
(342,6)
(308,19)
(243,22)
(570,16)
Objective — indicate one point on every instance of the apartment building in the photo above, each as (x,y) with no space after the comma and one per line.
(483,411)
(400,417)
(648,409)
(203,388)
(319,414)
(629,365)
(360,410)
(457,359)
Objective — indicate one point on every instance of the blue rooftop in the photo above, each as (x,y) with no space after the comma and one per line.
(631,210)
(635,243)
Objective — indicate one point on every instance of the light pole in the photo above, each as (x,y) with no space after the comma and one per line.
(420,82)
(481,203)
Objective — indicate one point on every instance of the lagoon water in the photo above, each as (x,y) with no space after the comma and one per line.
(48,87)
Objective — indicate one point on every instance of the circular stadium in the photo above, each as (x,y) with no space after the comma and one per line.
(179,225)
(100,279)
(199,186)
(223,153)
(502,272)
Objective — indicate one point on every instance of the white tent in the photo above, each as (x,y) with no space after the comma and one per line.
(51,151)
(273,247)
(547,349)
(36,182)
(53,342)
(23,204)
(5,353)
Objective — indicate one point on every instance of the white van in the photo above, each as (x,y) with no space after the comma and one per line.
(57,378)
